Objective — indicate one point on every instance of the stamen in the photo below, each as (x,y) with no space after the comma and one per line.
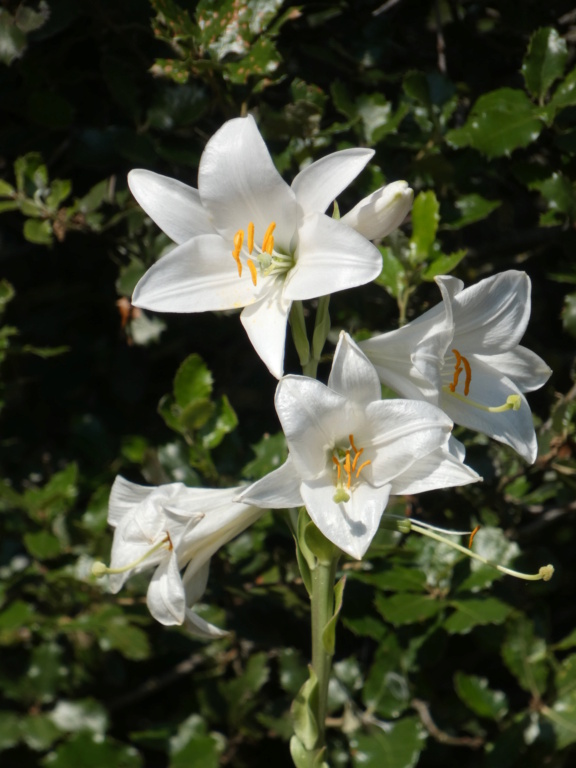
(268,241)
(513,402)
(252,269)
(361,467)
(471,539)
(338,467)
(238,241)
(347,469)
(99,569)
(461,361)
(545,573)
(250,237)
(351,438)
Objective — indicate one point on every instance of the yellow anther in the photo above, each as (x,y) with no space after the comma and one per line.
(347,469)
(461,361)
(361,467)
(358,454)
(238,262)
(351,438)
(250,237)
(268,241)
(252,269)
(238,241)
(471,539)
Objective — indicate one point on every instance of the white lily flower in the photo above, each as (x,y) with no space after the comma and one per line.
(381,212)
(464,356)
(349,450)
(247,239)
(170,528)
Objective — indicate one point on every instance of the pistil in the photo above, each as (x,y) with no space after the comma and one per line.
(99,569)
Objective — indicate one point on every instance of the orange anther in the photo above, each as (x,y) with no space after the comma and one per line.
(238,240)
(268,241)
(351,438)
(461,361)
(474,532)
(252,269)
(250,237)
(358,454)
(338,467)
(348,469)
(361,467)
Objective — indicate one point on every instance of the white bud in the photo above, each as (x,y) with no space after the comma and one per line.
(381,212)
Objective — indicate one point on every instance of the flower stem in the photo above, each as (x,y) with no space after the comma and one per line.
(323,577)
(319,336)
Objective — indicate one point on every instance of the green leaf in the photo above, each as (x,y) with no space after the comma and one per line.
(271,452)
(193,745)
(12,39)
(393,275)
(443,265)
(386,690)
(6,190)
(221,424)
(9,729)
(471,208)
(474,692)
(472,612)
(399,746)
(38,231)
(406,608)
(59,191)
(193,381)
(564,95)
(38,732)
(544,61)
(88,751)
(42,545)
(525,656)
(425,217)
(292,668)
(7,293)
(560,194)
(499,122)
(303,708)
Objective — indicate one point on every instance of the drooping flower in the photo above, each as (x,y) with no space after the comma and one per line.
(247,239)
(349,450)
(464,356)
(170,528)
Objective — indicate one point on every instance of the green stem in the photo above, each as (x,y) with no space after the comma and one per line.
(319,336)
(323,577)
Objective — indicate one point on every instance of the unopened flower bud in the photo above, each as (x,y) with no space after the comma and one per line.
(381,212)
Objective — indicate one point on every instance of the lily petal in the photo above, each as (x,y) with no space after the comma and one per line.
(280,489)
(123,496)
(239,183)
(175,207)
(331,257)
(488,387)
(491,316)
(524,367)
(352,374)
(439,469)
(320,183)
(165,598)
(198,276)
(381,212)
(351,526)
(265,323)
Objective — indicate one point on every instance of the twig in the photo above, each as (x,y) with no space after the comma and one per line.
(421,707)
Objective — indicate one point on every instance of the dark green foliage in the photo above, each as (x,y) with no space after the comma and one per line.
(438,661)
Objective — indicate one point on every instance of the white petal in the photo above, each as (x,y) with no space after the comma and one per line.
(488,387)
(265,323)
(198,276)
(350,526)
(381,212)
(352,374)
(165,598)
(439,469)
(320,183)
(331,257)
(279,489)
(398,434)
(312,417)
(522,366)
(199,627)
(238,183)
(174,206)
(123,496)
(491,316)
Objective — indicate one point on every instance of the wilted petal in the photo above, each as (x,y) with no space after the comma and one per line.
(319,184)
(175,207)
(238,183)
(331,257)
(350,526)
